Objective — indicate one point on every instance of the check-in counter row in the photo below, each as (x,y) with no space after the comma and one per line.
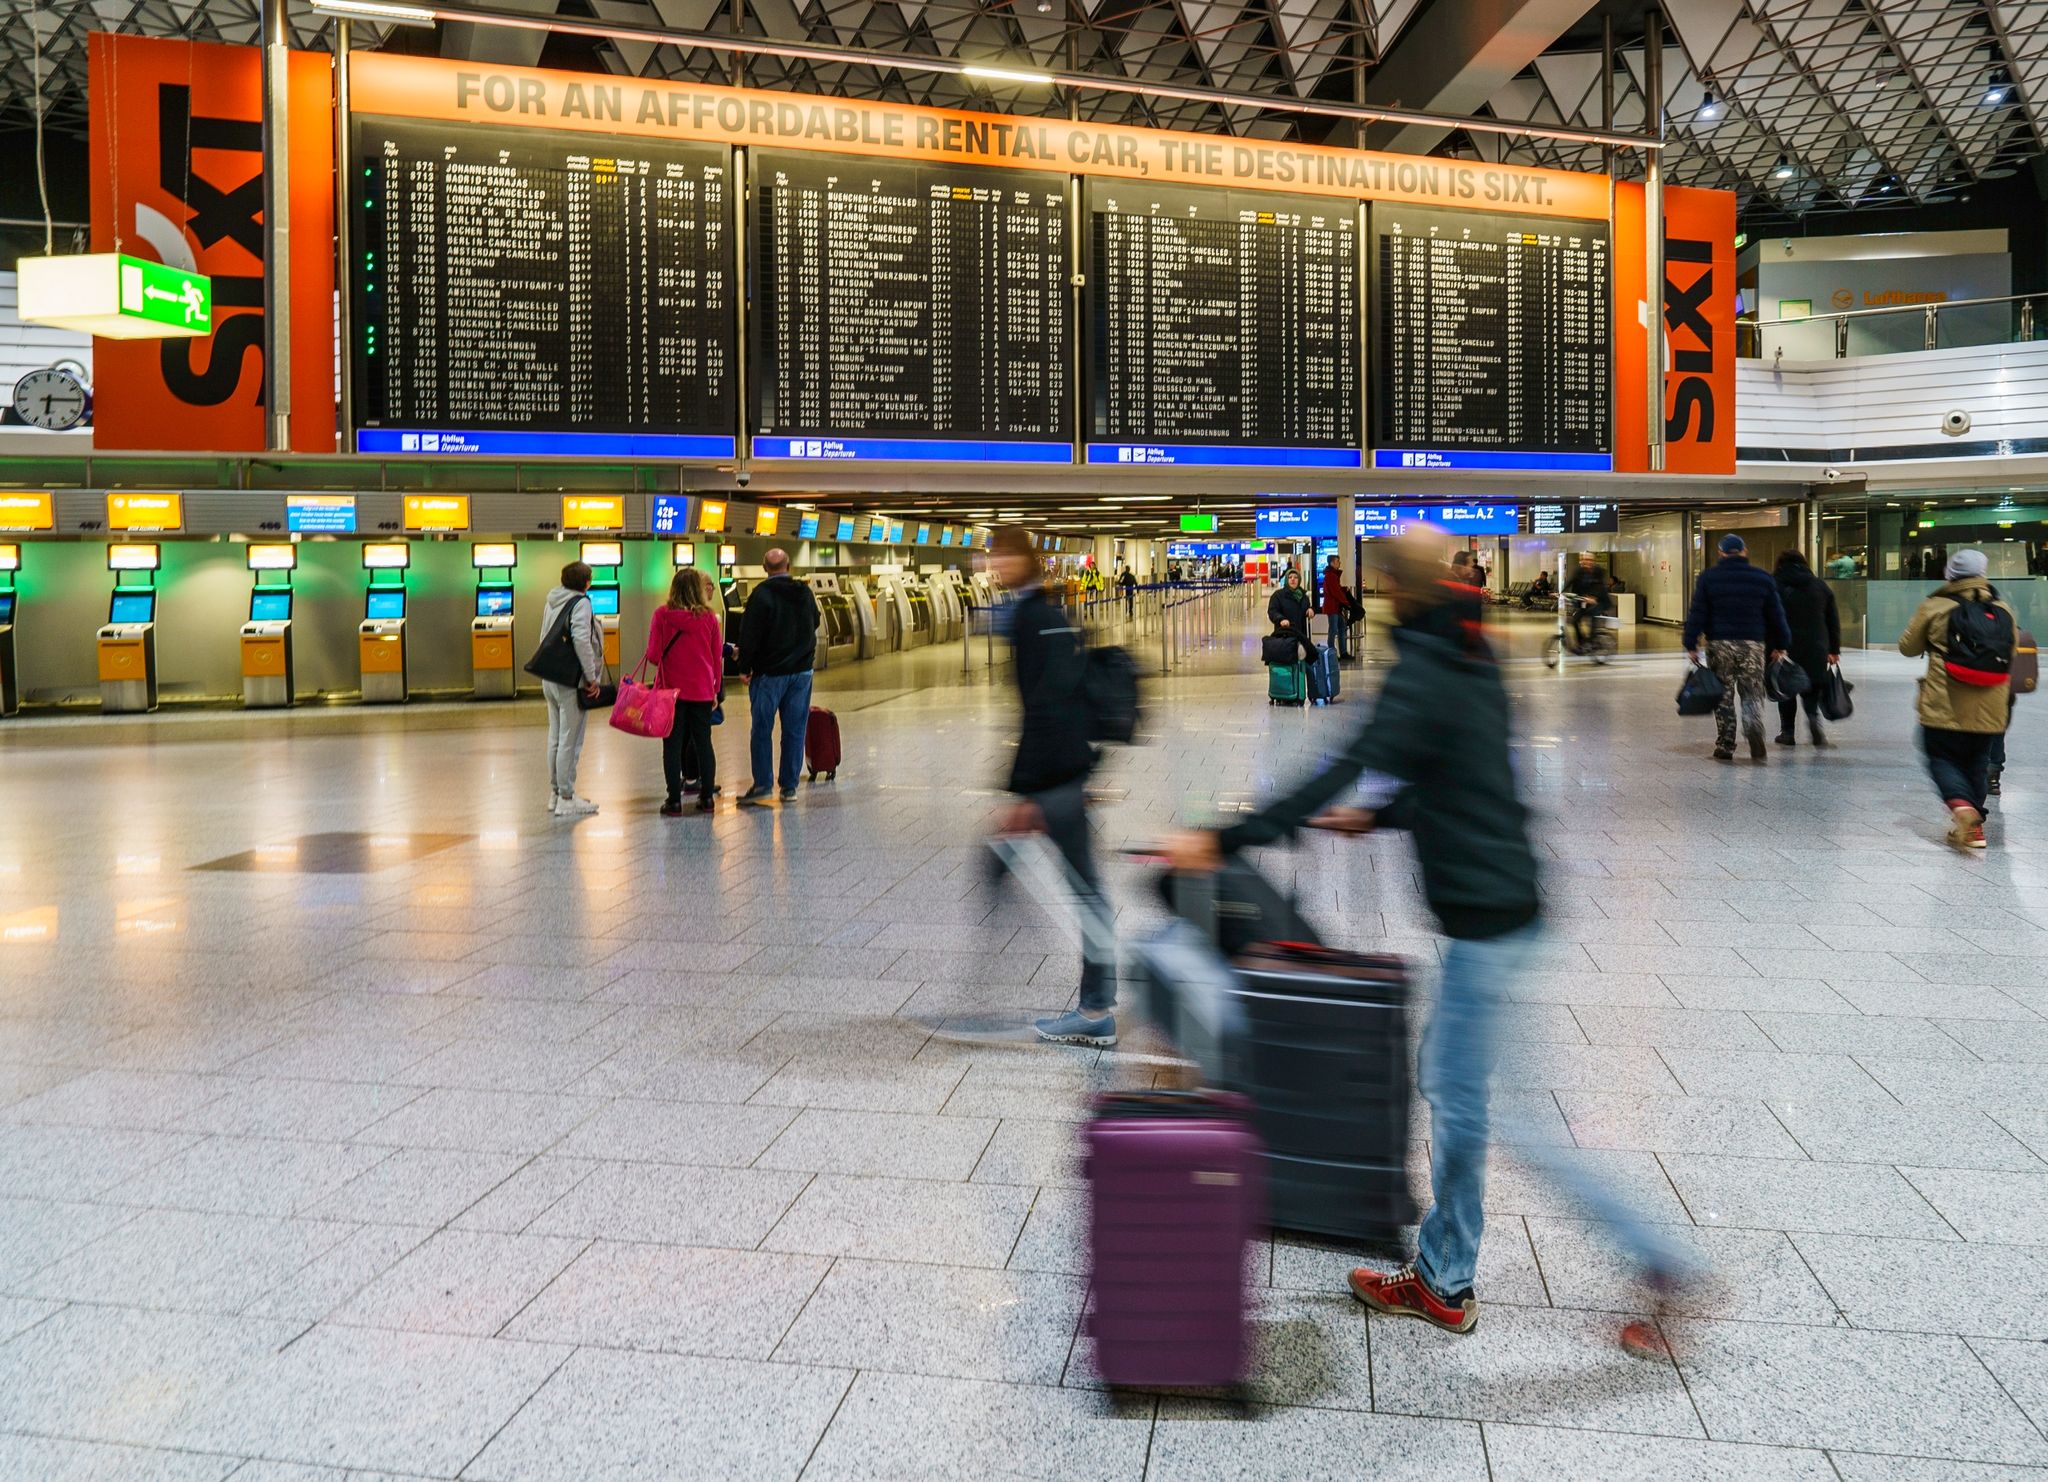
(273,623)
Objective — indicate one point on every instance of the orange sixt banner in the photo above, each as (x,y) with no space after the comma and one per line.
(1696,316)
(469,92)
(177,175)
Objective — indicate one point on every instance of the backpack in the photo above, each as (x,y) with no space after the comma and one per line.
(1109,695)
(1981,641)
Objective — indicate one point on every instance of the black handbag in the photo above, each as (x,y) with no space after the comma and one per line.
(1702,691)
(1835,703)
(607,696)
(1786,680)
(556,660)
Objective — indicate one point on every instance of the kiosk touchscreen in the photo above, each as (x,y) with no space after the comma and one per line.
(380,636)
(10,686)
(492,667)
(126,643)
(267,635)
(604,558)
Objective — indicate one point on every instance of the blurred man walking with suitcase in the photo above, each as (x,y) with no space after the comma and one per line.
(1440,733)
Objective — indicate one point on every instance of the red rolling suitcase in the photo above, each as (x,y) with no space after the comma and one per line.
(821,744)
(1177,1190)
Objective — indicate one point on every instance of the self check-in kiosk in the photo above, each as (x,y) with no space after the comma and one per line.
(10,681)
(949,604)
(492,672)
(838,639)
(604,558)
(267,635)
(380,636)
(905,610)
(126,643)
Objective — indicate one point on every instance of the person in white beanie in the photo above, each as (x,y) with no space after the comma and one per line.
(1969,637)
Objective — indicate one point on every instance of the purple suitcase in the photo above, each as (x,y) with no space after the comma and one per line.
(1177,1189)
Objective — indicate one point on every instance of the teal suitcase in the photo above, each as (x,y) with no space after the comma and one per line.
(1286,684)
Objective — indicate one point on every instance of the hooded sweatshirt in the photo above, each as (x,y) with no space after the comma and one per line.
(1944,704)
(1440,729)
(582,629)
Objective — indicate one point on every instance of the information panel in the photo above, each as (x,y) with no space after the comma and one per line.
(527,292)
(1492,341)
(909,311)
(1222,327)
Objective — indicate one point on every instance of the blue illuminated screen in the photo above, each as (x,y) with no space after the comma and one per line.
(924,535)
(605,600)
(807,528)
(946,536)
(670,515)
(493,601)
(6,607)
(896,533)
(878,530)
(132,607)
(845,528)
(382,603)
(270,607)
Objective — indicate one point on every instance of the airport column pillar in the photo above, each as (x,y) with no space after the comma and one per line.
(277,195)
(1348,545)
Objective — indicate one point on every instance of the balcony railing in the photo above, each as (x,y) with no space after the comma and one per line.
(1894,328)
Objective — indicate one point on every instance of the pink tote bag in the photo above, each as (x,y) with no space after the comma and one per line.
(643,709)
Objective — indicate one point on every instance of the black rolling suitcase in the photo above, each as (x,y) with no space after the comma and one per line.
(1323,684)
(1325,1061)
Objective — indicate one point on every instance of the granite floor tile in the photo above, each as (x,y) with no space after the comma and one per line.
(417,1186)
(2021,1369)
(1772,1075)
(304,1111)
(1031,1152)
(35,1232)
(1507,1264)
(639,1417)
(1536,1366)
(373,1399)
(1856,1466)
(1673,1124)
(48,1459)
(1919,1136)
(1793,1386)
(678,1132)
(1527,1453)
(1748,1275)
(363,1254)
(905,1220)
(19,1314)
(1788,1194)
(675,1299)
(1725,1029)
(1767,995)
(1860,1034)
(939,1320)
(179,1261)
(1197,1440)
(1865,1276)
(1995,1207)
(851,1085)
(482,1121)
(881,1143)
(673,1205)
(460,1281)
(68,1163)
(1518,1184)
(249,1175)
(141,1099)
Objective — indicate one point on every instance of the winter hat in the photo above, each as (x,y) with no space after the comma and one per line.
(1967,563)
(1731,544)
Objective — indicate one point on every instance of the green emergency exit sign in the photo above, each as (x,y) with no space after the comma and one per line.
(115,296)
(1198,524)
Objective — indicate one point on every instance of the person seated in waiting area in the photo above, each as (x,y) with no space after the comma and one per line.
(1542,591)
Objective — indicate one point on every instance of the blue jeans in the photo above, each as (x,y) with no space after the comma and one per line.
(1456,1068)
(770,695)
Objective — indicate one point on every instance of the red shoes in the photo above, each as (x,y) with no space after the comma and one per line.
(1403,1293)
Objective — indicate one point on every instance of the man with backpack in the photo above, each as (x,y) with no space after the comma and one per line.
(1049,775)
(1969,637)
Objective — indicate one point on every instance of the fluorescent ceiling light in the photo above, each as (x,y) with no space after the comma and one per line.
(1006,74)
(1146,498)
(1710,108)
(376,10)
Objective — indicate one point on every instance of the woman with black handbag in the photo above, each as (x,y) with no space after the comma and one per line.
(570,659)
(1816,642)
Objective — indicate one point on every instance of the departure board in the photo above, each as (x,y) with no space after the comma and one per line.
(909,311)
(1223,327)
(521,291)
(1491,340)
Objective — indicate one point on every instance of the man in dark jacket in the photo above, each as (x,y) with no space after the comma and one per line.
(1335,600)
(1588,588)
(1438,739)
(1736,609)
(778,649)
(1050,773)
(1816,644)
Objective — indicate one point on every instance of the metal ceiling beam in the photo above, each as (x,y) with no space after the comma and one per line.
(1455,56)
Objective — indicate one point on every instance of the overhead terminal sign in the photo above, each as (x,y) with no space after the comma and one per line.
(138,513)
(320,514)
(27,512)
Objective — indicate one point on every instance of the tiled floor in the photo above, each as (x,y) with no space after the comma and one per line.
(639,1148)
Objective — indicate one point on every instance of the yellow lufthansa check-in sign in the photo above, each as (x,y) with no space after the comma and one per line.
(593,511)
(426,512)
(136,513)
(28,511)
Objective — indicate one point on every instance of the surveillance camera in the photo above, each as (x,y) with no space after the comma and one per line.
(1955,423)
(743,478)
(1833,474)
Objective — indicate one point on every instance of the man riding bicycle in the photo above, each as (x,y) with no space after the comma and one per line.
(1586,599)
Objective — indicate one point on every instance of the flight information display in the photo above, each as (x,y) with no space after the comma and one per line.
(1222,327)
(519,291)
(909,311)
(1491,339)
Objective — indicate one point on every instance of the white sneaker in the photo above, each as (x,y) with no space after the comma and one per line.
(554,804)
(575,808)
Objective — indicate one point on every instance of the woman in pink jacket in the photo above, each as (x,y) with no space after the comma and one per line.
(686,640)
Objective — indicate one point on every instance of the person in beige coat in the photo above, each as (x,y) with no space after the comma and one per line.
(1959,719)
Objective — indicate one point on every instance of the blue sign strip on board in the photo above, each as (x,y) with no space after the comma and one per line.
(545,444)
(1493,459)
(910,450)
(1213,455)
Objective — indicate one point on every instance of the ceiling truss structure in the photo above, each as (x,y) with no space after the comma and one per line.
(1823,104)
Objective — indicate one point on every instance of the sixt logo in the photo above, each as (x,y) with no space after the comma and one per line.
(1689,337)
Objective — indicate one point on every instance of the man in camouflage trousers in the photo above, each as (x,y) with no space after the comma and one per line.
(1736,609)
